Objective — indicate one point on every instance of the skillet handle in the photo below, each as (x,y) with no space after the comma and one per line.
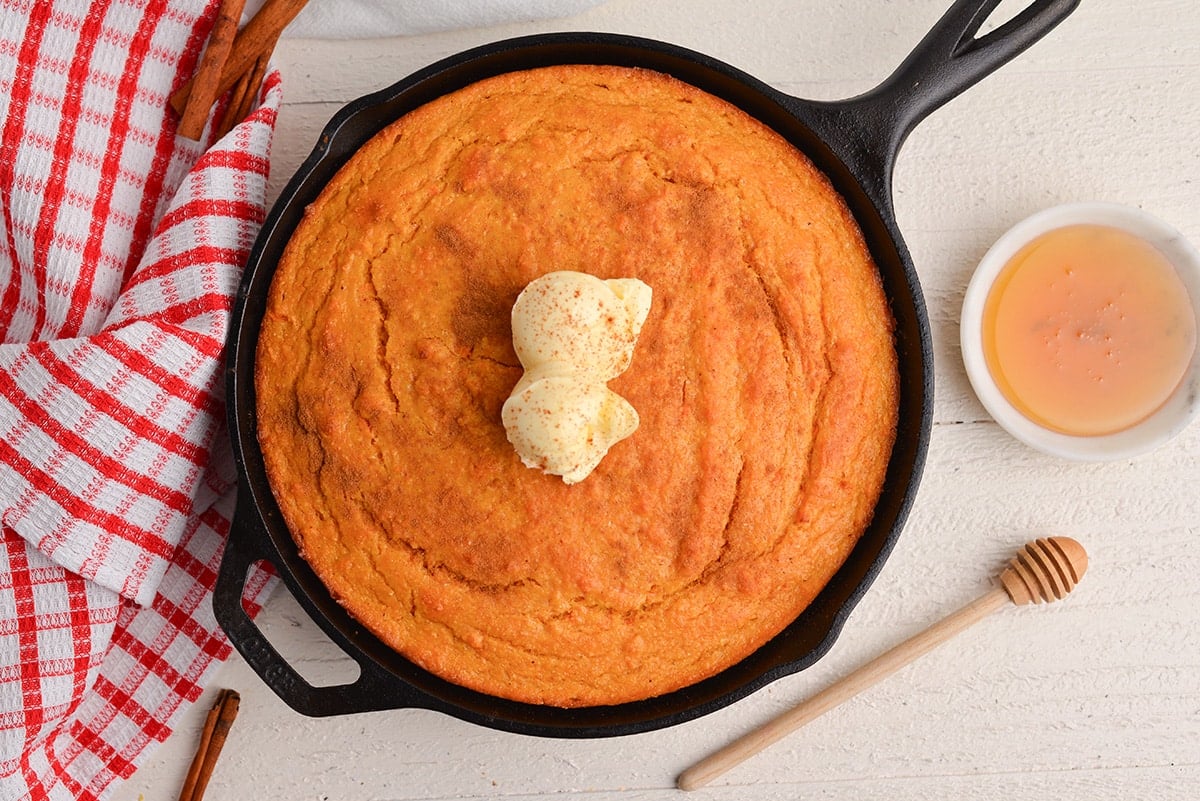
(950,59)
(374,689)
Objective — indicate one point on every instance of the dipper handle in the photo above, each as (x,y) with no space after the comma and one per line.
(1044,570)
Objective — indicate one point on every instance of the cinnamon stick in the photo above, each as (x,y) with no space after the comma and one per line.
(212,62)
(245,92)
(258,36)
(255,85)
(237,96)
(212,740)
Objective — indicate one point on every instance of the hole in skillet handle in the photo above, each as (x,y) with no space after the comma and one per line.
(867,131)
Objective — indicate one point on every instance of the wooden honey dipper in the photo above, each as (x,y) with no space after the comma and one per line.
(1044,570)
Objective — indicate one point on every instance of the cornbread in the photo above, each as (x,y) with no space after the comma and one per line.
(764,376)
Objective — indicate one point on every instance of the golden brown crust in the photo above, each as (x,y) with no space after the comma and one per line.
(765,379)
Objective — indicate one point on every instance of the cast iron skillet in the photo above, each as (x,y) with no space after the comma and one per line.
(855,143)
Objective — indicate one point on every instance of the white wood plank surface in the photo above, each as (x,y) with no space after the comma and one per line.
(1094,698)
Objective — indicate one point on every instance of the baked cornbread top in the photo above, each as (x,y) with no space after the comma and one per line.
(764,377)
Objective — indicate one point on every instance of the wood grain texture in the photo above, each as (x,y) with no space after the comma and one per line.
(1096,697)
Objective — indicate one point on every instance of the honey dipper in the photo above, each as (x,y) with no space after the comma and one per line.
(1044,570)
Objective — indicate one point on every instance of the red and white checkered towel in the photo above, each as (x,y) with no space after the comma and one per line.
(120,253)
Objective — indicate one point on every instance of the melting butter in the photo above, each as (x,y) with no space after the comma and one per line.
(573,333)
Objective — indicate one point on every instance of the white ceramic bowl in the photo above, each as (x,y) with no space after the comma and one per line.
(1171,418)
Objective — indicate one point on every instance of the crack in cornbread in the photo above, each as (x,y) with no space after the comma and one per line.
(765,378)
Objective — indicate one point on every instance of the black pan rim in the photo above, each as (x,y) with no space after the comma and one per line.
(333,148)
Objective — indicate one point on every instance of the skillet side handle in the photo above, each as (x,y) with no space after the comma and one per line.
(371,691)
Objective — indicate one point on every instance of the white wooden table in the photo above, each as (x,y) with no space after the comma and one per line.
(1097,697)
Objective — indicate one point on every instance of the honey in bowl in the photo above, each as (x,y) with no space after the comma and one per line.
(1088,330)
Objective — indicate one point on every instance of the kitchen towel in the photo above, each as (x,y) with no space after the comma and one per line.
(121,247)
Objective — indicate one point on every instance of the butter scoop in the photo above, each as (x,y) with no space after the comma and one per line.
(582,322)
(564,426)
(573,332)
